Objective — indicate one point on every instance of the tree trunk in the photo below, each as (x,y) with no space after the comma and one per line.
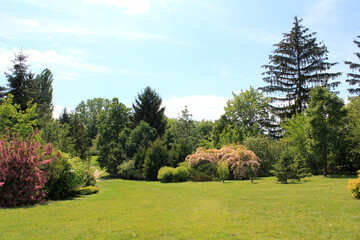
(325,166)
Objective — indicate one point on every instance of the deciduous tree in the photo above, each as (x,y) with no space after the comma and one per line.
(113,132)
(326,112)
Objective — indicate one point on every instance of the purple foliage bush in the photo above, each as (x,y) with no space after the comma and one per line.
(22,179)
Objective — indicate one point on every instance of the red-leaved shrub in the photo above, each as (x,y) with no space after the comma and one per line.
(21,176)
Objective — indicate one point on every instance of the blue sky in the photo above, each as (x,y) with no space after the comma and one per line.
(192,52)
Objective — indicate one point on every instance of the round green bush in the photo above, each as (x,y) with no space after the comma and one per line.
(165,174)
(66,174)
(181,174)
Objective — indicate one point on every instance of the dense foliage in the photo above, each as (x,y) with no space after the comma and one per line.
(66,175)
(308,129)
(22,175)
(113,132)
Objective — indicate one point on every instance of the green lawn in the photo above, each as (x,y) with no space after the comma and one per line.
(317,208)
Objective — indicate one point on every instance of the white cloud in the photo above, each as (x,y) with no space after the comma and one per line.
(29,22)
(65,66)
(53,58)
(57,110)
(208,107)
(322,10)
(132,7)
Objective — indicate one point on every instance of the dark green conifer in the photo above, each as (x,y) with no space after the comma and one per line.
(147,108)
(298,64)
(354,78)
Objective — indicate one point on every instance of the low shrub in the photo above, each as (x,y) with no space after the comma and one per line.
(127,170)
(66,174)
(354,187)
(181,174)
(87,190)
(165,174)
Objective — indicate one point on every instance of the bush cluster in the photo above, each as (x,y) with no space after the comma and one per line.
(169,174)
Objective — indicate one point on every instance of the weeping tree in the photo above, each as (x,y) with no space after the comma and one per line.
(354,78)
(241,161)
(298,64)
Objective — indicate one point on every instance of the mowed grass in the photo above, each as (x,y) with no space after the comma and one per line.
(317,208)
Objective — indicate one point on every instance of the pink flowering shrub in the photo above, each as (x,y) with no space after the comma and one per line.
(21,176)
(241,161)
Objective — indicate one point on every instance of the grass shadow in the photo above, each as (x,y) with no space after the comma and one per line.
(342,176)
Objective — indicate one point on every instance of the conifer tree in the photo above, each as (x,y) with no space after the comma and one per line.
(354,78)
(297,64)
(147,108)
(21,82)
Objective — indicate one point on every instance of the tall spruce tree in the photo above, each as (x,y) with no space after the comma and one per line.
(298,64)
(354,78)
(21,81)
(147,108)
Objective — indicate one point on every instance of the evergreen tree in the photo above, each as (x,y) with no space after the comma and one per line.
(64,117)
(298,63)
(21,82)
(289,167)
(140,138)
(147,107)
(156,157)
(354,78)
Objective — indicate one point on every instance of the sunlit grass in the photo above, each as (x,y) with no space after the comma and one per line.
(317,208)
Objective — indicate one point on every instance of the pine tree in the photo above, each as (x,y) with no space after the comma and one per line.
(64,117)
(354,78)
(147,108)
(298,64)
(21,82)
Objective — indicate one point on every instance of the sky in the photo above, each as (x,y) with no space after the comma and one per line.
(194,53)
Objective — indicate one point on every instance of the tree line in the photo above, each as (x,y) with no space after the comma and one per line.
(301,126)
